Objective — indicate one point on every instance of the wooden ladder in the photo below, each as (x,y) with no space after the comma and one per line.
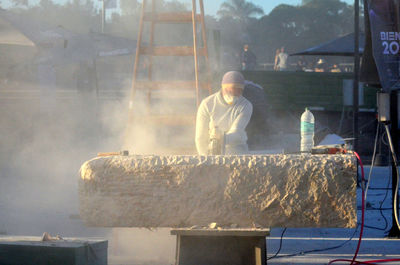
(150,85)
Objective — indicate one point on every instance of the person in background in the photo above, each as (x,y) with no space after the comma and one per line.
(278,51)
(258,130)
(248,59)
(300,65)
(282,60)
(335,69)
(226,113)
(320,66)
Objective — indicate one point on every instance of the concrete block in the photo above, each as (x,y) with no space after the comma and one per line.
(18,250)
(246,191)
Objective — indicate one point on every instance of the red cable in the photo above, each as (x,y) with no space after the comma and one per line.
(354,261)
(362,206)
(381,261)
(349,260)
(369,262)
(362,216)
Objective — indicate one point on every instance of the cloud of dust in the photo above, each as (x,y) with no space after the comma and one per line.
(49,128)
(45,138)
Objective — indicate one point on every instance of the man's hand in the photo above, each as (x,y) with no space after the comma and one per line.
(215,133)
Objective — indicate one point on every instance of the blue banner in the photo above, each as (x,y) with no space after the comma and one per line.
(385,35)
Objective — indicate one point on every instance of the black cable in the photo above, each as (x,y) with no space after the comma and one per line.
(369,178)
(380,209)
(380,206)
(280,245)
(383,139)
(380,188)
(370,208)
(395,203)
(320,249)
(374,227)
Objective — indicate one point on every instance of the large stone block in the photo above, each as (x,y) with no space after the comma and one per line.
(182,191)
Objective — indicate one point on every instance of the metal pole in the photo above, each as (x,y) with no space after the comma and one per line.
(196,64)
(356,73)
(103,16)
(205,46)
(136,63)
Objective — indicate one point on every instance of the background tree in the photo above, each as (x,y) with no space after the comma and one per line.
(129,7)
(236,19)
(299,27)
(239,22)
(304,2)
(19,3)
(240,10)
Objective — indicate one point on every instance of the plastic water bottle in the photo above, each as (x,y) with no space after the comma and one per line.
(307,131)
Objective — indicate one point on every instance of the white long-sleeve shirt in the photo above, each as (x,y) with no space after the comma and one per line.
(231,119)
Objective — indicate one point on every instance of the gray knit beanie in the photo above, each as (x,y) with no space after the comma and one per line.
(233,77)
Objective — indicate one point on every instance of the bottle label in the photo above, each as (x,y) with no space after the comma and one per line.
(307,127)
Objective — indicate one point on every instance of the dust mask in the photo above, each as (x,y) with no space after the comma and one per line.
(230,99)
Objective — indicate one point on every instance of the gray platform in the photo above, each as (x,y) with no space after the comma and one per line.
(17,250)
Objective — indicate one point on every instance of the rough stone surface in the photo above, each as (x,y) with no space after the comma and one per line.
(244,191)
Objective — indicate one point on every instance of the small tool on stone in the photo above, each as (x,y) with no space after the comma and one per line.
(329,149)
(120,153)
(47,237)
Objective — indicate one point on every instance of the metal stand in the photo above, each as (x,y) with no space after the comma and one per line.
(220,246)
(356,80)
(394,231)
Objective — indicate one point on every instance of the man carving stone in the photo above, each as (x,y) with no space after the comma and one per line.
(224,115)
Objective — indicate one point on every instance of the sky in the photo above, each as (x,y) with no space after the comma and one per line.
(211,6)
